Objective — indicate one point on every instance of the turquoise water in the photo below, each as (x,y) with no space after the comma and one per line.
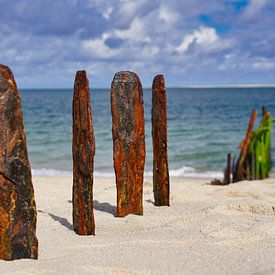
(203,125)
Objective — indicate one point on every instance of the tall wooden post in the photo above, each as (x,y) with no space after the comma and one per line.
(17,204)
(83,157)
(159,135)
(128,142)
(240,169)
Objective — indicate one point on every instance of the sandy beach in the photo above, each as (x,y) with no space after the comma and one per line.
(207,230)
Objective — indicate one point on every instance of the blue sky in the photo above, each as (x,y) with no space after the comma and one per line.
(191,42)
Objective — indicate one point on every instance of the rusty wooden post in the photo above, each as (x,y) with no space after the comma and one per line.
(227,171)
(128,142)
(17,204)
(240,171)
(83,148)
(161,186)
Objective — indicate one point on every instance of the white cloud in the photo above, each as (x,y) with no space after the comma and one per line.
(168,16)
(107,13)
(254,7)
(206,39)
(104,7)
(98,48)
(130,8)
(148,53)
(264,63)
(136,43)
(247,62)
(136,32)
(229,62)
(126,11)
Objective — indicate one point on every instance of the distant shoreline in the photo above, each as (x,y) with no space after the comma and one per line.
(224,87)
(245,86)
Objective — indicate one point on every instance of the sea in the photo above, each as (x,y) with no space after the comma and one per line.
(204,124)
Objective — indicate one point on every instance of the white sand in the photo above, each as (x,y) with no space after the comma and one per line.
(207,230)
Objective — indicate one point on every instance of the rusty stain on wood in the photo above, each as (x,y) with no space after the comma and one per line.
(227,171)
(83,148)
(240,171)
(17,203)
(128,142)
(161,186)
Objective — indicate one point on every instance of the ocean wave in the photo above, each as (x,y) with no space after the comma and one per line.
(50,172)
(190,172)
(183,172)
(53,172)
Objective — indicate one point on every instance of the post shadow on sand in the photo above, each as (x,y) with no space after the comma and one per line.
(150,201)
(62,221)
(104,207)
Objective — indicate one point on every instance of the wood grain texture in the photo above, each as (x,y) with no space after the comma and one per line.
(128,142)
(161,186)
(83,148)
(17,203)
(240,171)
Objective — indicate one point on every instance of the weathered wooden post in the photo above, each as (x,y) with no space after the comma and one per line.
(17,204)
(159,135)
(227,171)
(240,172)
(83,157)
(128,142)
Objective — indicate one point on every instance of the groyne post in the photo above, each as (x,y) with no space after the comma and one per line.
(161,185)
(83,149)
(18,213)
(128,141)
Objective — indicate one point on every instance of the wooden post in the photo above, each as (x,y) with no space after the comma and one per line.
(17,204)
(83,148)
(128,142)
(159,135)
(240,170)
(227,171)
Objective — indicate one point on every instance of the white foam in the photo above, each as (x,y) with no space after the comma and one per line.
(50,172)
(190,172)
(53,172)
(104,174)
(184,172)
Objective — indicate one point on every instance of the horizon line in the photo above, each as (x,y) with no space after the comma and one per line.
(171,87)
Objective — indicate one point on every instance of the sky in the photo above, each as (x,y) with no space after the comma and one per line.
(190,42)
